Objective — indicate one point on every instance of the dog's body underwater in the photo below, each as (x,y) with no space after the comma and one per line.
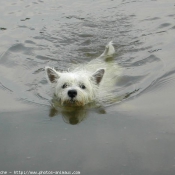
(85,83)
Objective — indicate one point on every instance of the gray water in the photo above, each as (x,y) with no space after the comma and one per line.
(132,136)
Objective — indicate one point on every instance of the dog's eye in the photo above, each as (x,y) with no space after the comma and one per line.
(82,86)
(64,86)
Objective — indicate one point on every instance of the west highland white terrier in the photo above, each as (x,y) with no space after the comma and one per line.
(85,83)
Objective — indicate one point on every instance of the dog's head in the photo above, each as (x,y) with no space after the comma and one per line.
(75,88)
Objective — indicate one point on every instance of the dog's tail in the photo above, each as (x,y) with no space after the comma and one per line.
(109,50)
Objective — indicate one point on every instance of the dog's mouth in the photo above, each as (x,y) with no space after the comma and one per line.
(73,102)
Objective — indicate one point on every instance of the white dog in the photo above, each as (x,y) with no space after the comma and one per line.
(85,83)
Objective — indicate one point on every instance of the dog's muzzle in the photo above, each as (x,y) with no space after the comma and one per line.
(72,93)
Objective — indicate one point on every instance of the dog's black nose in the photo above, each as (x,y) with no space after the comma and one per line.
(72,93)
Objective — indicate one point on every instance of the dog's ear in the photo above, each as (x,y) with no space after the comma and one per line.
(98,75)
(52,74)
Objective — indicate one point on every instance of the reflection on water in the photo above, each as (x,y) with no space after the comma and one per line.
(70,115)
(74,114)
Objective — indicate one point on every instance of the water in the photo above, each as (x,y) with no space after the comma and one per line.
(132,135)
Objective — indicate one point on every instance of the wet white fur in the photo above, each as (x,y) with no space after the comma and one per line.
(87,75)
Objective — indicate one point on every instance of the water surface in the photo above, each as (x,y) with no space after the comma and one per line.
(131,136)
